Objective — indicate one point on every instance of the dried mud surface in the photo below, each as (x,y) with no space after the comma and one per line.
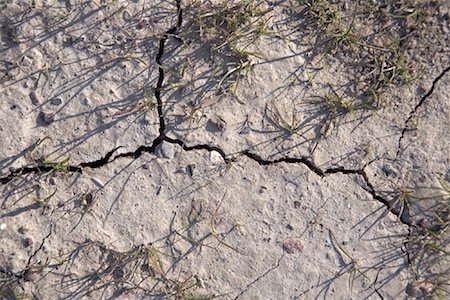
(240,150)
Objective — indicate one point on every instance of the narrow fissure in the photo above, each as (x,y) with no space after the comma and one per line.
(44,168)
(418,105)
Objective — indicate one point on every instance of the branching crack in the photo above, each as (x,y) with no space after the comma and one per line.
(418,105)
(42,168)
(162,43)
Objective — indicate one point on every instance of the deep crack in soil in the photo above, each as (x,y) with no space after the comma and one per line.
(42,168)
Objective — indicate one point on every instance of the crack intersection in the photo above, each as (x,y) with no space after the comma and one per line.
(162,137)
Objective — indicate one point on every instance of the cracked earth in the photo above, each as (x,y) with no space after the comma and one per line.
(135,163)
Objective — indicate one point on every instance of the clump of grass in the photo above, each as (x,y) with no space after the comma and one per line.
(335,105)
(288,122)
(320,12)
(338,105)
(230,25)
(389,67)
(231,28)
(392,66)
(337,33)
(428,240)
(234,74)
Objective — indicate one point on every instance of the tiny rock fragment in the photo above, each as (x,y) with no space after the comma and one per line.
(2,226)
(46,117)
(293,245)
(34,96)
(215,158)
(27,242)
(166,150)
(262,189)
(97,182)
(56,101)
(190,169)
(31,275)
(199,281)
(126,15)
(87,200)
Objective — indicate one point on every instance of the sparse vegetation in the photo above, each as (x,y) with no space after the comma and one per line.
(74,73)
(231,29)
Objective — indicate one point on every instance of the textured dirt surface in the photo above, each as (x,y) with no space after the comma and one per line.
(239,150)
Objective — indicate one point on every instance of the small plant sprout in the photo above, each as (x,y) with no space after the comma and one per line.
(337,104)
(38,151)
(146,104)
(228,25)
(402,196)
(289,124)
(344,36)
(154,262)
(44,199)
(61,166)
(323,15)
(236,70)
(321,12)
(87,200)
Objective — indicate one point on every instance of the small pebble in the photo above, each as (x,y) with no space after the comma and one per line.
(46,117)
(199,281)
(88,201)
(97,182)
(34,96)
(2,226)
(31,275)
(56,101)
(166,150)
(293,245)
(22,230)
(26,61)
(215,158)
(52,181)
(126,15)
(27,242)
(190,169)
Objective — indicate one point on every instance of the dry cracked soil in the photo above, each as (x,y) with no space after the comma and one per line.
(203,149)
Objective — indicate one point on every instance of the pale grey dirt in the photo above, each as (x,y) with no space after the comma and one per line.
(131,168)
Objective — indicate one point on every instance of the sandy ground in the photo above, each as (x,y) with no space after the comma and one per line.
(239,150)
